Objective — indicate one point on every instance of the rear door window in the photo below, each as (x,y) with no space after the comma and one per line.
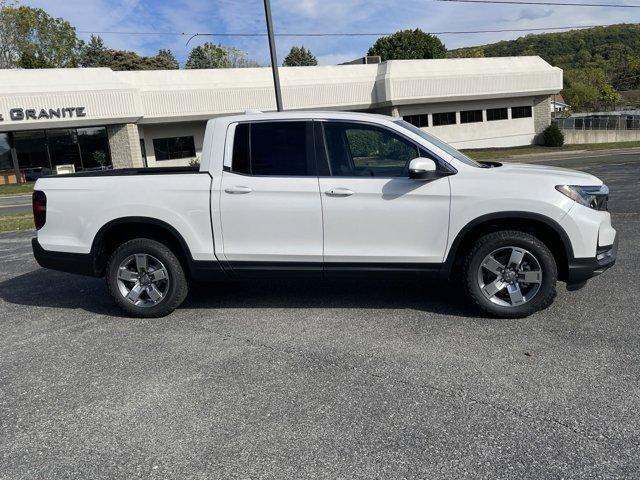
(274,149)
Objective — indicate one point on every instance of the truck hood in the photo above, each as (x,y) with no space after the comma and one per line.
(561,176)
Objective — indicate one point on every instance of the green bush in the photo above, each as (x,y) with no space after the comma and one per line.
(553,137)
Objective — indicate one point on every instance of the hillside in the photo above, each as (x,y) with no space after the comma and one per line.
(594,56)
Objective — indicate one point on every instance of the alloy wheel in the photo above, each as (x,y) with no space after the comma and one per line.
(143,280)
(510,276)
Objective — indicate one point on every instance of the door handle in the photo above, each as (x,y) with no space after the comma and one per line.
(339,192)
(238,189)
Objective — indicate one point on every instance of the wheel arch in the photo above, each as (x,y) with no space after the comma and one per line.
(546,229)
(120,230)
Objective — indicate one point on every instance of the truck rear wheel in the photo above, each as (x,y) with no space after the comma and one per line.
(510,274)
(145,278)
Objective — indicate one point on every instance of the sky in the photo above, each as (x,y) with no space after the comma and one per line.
(312,16)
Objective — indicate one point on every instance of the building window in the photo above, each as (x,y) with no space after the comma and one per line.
(521,112)
(40,151)
(494,114)
(419,121)
(470,116)
(31,149)
(273,149)
(445,118)
(174,148)
(94,147)
(6,162)
(63,148)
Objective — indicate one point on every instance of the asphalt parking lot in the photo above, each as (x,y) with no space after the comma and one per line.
(314,380)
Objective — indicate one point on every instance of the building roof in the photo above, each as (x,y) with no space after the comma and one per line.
(181,95)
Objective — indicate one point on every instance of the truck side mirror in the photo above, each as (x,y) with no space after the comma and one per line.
(422,168)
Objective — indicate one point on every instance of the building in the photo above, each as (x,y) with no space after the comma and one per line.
(558,105)
(98,118)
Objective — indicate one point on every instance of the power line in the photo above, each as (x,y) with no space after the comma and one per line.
(561,4)
(341,34)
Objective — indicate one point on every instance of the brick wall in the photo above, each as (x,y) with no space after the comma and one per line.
(124,142)
(541,115)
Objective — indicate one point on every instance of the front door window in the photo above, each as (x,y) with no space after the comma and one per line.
(355,150)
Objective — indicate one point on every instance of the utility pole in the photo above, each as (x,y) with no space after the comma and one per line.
(274,55)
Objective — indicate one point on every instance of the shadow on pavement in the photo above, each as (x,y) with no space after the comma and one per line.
(48,288)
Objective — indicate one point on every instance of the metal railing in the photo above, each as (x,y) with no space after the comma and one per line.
(600,122)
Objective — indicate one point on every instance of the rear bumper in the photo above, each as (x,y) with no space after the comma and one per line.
(582,269)
(80,263)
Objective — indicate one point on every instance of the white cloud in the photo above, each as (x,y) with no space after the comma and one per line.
(534,13)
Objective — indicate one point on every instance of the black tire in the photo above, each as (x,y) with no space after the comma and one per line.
(502,239)
(176,289)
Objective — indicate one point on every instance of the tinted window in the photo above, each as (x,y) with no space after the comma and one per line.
(31,148)
(6,161)
(497,114)
(357,150)
(63,148)
(417,120)
(444,118)
(521,112)
(94,147)
(470,116)
(240,162)
(273,148)
(174,148)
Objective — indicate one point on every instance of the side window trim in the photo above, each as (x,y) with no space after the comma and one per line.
(323,157)
(310,148)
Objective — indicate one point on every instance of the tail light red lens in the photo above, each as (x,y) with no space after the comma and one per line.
(39,209)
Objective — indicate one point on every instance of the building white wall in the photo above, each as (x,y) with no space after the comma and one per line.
(165,96)
(485,134)
(182,129)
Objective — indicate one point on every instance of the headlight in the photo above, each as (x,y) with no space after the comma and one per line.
(592,197)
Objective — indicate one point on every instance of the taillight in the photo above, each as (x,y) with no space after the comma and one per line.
(39,209)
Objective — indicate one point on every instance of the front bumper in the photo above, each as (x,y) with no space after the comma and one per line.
(582,269)
(79,263)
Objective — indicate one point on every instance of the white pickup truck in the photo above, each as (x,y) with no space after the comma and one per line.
(327,194)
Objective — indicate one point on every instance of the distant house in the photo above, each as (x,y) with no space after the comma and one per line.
(558,105)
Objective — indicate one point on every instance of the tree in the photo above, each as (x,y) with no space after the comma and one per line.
(239,58)
(408,44)
(581,96)
(469,52)
(126,60)
(589,89)
(209,55)
(164,60)
(9,36)
(93,54)
(299,57)
(41,40)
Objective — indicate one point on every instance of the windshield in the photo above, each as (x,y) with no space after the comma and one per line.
(439,143)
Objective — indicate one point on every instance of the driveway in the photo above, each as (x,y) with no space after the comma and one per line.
(321,380)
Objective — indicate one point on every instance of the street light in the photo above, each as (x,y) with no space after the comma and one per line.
(274,55)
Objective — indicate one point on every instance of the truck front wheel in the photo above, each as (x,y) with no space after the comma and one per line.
(145,278)
(510,274)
